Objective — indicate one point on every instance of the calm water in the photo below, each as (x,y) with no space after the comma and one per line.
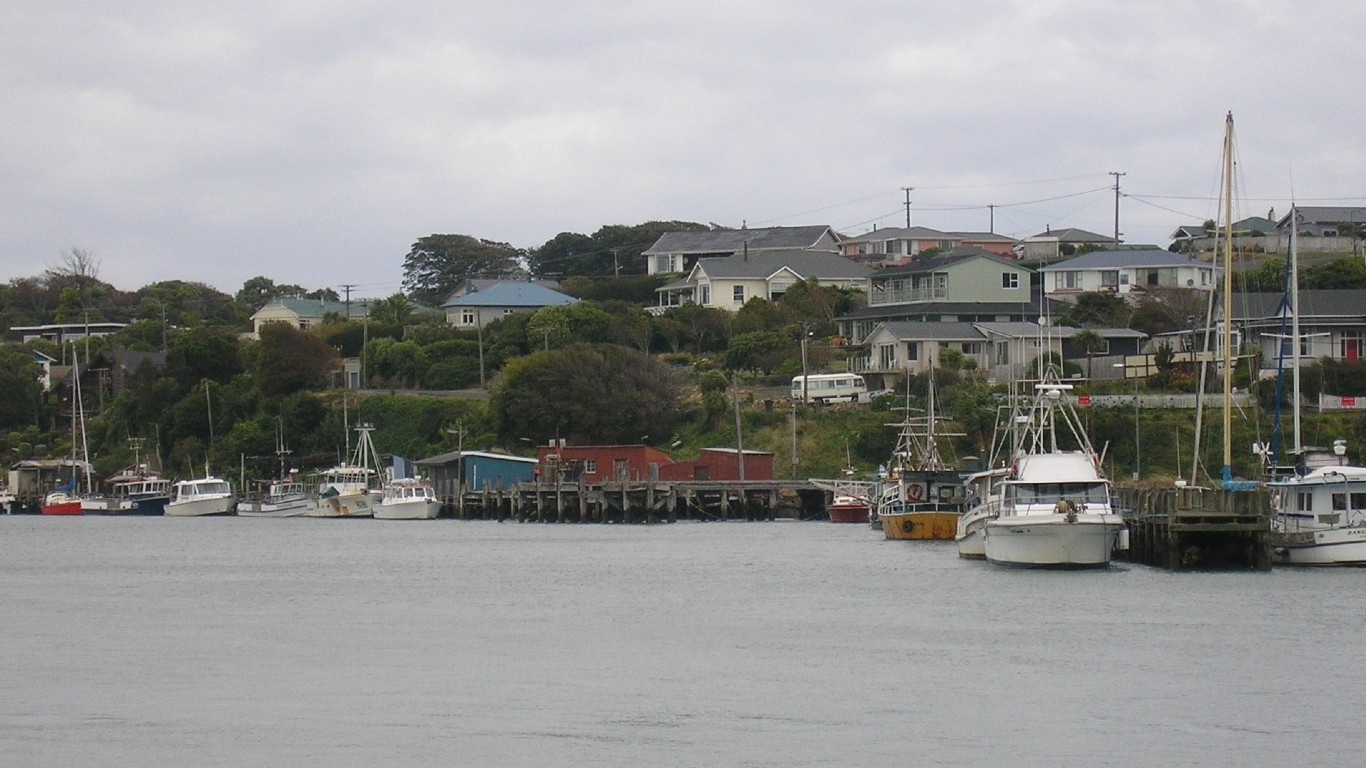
(258,642)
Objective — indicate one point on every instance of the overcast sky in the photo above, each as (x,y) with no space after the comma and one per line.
(313,142)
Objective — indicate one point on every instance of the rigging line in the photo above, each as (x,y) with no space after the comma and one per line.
(821,209)
(1008,183)
(1151,204)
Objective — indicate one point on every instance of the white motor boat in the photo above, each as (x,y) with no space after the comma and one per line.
(408,499)
(346,490)
(1320,517)
(200,497)
(281,498)
(1054,509)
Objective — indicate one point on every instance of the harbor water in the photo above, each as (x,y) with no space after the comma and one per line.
(303,642)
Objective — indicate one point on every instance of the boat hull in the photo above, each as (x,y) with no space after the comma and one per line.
(1331,546)
(847,513)
(408,509)
(63,508)
(267,509)
(1052,541)
(344,505)
(919,526)
(202,507)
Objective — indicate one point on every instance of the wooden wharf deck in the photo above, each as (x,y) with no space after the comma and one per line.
(1198,528)
(642,501)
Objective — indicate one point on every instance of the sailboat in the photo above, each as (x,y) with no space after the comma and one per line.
(65,499)
(284,496)
(919,496)
(1319,508)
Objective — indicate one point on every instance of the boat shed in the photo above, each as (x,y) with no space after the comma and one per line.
(478,470)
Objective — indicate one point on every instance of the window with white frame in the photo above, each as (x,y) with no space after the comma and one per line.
(886,356)
(738,294)
(1010,280)
(467,317)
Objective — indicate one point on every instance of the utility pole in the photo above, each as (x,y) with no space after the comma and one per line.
(346,287)
(908,191)
(992,219)
(1116,174)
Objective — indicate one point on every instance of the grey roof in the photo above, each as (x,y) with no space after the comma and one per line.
(442,459)
(1072,235)
(1032,306)
(807,264)
(946,259)
(1112,259)
(1323,304)
(919,330)
(735,240)
(1030,330)
(1325,214)
(983,237)
(525,295)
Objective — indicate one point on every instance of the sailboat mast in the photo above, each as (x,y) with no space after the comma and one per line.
(1228,296)
(1294,299)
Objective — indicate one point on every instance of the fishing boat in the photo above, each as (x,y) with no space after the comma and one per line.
(135,490)
(1054,508)
(287,497)
(1319,505)
(919,495)
(347,490)
(200,497)
(408,498)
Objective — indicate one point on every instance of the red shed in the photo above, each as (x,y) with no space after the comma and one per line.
(600,463)
(721,464)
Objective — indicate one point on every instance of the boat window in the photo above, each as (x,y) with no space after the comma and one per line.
(1339,502)
(1359,501)
(1305,501)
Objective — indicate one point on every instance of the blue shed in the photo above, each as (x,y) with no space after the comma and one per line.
(477,470)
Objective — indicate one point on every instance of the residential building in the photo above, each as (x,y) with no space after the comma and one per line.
(306,313)
(1004,351)
(1332,325)
(964,284)
(897,246)
(1326,221)
(1052,244)
(63,333)
(1127,272)
(481,307)
(680,251)
(727,283)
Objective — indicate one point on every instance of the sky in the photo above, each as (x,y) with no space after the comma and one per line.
(313,141)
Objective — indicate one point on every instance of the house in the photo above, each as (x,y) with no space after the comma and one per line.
(1332,325)
(1051,244)
(306,313)
(475,284)
(44,362)
(1004,351)
(1195,238)
(483,306)
(1126,272)
(1325,221)
(680,251)
(449,473)
(964,284)
(895,246)
(62,333)
(727,283)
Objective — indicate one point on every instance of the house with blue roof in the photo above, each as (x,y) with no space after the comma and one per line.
(1127,272)
(480,307)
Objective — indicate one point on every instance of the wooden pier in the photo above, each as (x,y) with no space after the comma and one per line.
(642,501)
(1183,529)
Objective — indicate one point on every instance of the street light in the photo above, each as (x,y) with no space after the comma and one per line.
(1138,459)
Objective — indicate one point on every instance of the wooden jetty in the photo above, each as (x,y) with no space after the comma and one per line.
(1192,528)
(642,501)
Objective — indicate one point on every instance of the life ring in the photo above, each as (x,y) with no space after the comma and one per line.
(915,492)
(907,526)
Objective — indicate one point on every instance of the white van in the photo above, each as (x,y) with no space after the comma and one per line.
(830,388)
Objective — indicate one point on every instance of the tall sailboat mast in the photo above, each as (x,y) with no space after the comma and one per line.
(1228,298)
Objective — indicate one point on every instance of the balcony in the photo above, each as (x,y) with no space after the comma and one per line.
(883,295)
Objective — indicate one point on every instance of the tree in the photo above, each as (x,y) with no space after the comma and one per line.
(22,392)
(1095,309)
(203,353)
(759,351)
(1089,342)
(437,264)
(291,360)
(394,310)
(587,394)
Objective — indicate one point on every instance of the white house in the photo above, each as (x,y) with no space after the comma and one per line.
(680,251)
(305,313)
(727,283)
(1126,272)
